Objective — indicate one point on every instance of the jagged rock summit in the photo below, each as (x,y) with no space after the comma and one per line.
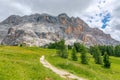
(42,29)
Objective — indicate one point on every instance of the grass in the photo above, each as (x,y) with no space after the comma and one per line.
(92,71)
(22,63)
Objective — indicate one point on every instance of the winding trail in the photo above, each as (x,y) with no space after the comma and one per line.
(61,73)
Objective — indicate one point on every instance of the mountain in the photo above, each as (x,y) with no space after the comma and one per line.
(41,29)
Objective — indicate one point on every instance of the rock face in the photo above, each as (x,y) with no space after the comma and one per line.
(41,29)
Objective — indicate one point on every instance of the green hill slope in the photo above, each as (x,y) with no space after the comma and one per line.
(17,63)
(92,71)
(22,63)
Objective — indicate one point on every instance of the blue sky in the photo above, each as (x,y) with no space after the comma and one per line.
(106,20)
(100,14)
(104,14)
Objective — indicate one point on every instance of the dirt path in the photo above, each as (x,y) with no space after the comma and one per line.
(62,73)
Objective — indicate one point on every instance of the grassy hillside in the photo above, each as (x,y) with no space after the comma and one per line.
(17,63)
(92,71)
(22,63)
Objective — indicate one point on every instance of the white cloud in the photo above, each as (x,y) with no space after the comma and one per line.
(53,7)
(114,25)
(88,10)
(11,7)
(104,7)
(25,10)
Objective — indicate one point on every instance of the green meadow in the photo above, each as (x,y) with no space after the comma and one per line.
(22,63)
(91,71)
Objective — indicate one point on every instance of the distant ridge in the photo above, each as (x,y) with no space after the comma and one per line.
(42,29)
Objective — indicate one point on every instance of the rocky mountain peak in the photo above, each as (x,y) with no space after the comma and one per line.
(41,29)
(13,19)
(63,15)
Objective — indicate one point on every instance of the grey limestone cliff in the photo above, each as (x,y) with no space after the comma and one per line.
(41,29)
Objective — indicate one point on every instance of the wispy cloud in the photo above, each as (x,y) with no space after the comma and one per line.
(104,14)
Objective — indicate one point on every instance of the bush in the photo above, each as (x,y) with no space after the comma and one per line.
(52,45)
(69,47)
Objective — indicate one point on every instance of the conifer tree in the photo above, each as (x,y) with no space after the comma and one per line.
(84,58)
(106,61)
(73,55)
(117,51)
(97,55)
(62,50)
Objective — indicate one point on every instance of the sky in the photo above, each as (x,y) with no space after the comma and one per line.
(103,14)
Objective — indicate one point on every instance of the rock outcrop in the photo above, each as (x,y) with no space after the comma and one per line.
(41,29)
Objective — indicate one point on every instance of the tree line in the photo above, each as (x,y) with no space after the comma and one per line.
(100,53)
(109,49)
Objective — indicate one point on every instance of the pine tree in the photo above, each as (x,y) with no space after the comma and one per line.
(65,53)
(117,51)
(84,58)
(102,49)
(106,61)
(97,55)
(73,54)
(78,46)
(62,50)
